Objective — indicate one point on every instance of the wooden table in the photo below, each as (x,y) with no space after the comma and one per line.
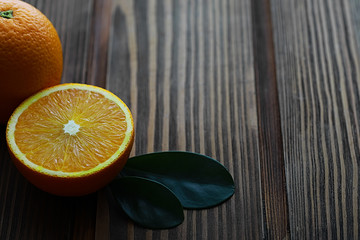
(270,88)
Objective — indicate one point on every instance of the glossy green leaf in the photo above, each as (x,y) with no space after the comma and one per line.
(148,203)
(197,180)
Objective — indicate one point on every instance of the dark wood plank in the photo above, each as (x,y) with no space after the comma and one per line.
(270,136)
(99,41)
(317,55)
(185,68)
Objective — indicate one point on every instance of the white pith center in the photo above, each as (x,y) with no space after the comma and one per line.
(71,127)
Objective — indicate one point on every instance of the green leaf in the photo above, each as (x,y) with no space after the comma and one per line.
(148,203)
(197,180)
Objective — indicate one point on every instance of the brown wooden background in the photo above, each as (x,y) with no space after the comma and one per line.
(270,88)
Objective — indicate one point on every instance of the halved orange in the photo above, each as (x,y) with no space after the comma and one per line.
(70,139)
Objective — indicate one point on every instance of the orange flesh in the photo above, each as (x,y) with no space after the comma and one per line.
(41,136)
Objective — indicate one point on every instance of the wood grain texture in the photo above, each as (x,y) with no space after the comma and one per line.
(317,54)
(98,43)
(270,136)
(185,68)
(271,89)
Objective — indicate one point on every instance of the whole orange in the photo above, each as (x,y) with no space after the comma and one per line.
(30,54)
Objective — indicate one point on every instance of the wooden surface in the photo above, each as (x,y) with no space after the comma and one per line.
(270,88)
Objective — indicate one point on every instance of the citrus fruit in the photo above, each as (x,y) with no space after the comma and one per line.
(70,139)
(30,54)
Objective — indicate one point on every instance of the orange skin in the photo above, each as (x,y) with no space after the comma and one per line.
(30,55)
(75,186)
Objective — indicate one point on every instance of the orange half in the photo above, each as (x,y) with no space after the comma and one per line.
(71,139)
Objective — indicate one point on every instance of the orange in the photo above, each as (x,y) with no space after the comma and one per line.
(70,139)
(30,54)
